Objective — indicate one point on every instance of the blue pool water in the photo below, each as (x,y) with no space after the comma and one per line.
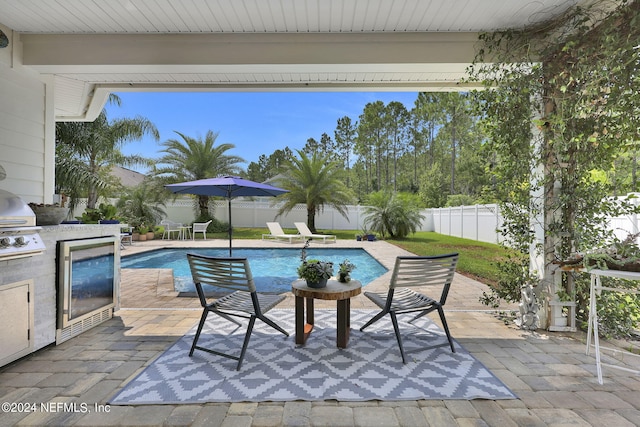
(273,269)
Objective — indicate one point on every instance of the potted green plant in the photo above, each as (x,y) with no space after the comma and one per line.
(90,216)
(344,271)
(104,214)
(314,271)
(134,223)
(143,230)
(108,214)
(150,233)
(366,235)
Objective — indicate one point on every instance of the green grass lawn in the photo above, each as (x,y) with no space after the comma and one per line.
(477,259)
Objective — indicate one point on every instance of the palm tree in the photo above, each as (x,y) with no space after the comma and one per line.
(143,204)
(395,214)
(73,177)
(86,150)
(192,159)
(315,181)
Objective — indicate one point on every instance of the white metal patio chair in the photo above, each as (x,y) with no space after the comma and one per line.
(411,271)
(304,231)
(126,236)
(200,227)
(235,275)
(170,227)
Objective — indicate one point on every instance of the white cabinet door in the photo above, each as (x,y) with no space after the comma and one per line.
(16,320)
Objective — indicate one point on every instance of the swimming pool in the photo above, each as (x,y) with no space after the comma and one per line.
(273,269)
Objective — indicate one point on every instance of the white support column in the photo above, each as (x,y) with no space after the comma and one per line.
(49,140)
(536,251)
(551,313)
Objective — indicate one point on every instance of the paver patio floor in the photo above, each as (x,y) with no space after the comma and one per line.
(549,371)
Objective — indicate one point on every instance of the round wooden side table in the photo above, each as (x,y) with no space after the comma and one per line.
(334,291)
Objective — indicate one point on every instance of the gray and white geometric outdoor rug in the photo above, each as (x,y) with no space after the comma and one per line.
(274,369)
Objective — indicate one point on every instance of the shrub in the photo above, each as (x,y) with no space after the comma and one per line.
(103,212)
(216,225)
(460,200)
(396,215)
(142,204)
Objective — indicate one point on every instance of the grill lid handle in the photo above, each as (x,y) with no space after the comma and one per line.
(12,221)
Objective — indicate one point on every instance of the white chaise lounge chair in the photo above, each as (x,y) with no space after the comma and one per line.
(276,232)
(307,234)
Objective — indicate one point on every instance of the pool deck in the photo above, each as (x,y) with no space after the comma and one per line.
(549,372)
(465,291)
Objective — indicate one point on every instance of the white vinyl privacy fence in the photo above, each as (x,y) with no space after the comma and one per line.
(478,222)
(484,222)
(256,213)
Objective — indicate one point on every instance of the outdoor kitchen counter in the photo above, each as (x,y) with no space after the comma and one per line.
(39,272)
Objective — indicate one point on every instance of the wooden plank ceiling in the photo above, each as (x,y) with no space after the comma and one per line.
(91,47)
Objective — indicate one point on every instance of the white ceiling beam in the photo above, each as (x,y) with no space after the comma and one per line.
(51,52)
(411,62)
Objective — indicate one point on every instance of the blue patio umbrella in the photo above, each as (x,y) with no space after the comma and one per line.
(228,187)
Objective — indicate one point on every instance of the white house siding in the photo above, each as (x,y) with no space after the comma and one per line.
(22,133)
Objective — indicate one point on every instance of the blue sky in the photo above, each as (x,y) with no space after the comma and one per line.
(256,122)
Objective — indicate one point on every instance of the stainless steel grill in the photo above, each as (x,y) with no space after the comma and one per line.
(19,235)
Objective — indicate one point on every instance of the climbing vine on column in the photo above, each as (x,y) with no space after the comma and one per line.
(561,105)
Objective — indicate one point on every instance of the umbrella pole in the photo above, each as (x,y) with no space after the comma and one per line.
(230,228)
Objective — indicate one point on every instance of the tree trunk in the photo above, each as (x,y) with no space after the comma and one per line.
(378,161)
(92,198)
(203,206)
(348,168)
(395,165)
(634,167)
(415,164)
(453,154)
(370,172)
(311,219)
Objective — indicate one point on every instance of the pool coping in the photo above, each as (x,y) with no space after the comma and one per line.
(169,288)
(466,290)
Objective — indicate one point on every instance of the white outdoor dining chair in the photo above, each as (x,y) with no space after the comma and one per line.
(234,275)
(126,236)
(170,227)
(435,272)
(200,227)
